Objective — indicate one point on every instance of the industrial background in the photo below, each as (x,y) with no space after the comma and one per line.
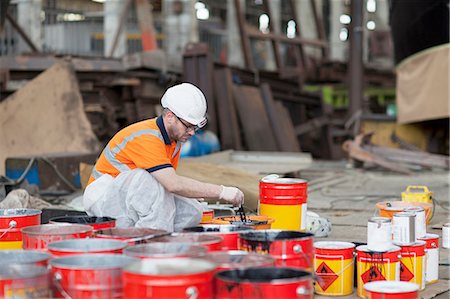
(350,95)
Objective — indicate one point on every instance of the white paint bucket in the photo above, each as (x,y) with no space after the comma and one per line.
(446,235)
(379,234)
(420,222)
(403,228)
(432,258)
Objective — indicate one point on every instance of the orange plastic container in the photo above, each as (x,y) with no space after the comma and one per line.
(256,222)
(389,208)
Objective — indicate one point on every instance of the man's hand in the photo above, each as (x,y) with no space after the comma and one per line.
(232,195)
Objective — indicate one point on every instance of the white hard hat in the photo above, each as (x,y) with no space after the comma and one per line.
(187,102)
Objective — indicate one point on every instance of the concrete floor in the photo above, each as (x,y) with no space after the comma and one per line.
(347,197)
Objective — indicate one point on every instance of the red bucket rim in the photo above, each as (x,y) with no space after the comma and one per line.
(92,261)
(161,250)
(86,245)
(99,220)
(189,238)
(293,275)
(391,287)
(166,267)
(5,213)
(23,256)
(56,229)
(18,271)
(283,181)
(127,233)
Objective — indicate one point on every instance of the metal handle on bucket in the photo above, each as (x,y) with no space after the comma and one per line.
(192,292)
(12,224)
(299,250)
(57,282)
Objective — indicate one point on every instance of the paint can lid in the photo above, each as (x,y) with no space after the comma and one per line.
(379,219)
(405,214)
(333,245)
(414,209)
(391,287)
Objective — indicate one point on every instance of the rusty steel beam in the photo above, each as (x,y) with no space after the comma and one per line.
(122,22)
(245,40)
(41,63)
(410,157)
(320,28)
(287,40)
(3,9)
(145,20)
(22,33)
(355,76)
(357,152)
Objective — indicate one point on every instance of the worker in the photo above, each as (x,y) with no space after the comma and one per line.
(134,179)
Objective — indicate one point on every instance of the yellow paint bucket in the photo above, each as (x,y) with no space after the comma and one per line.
(376,266)
(207,216)
(333,264)
(412,263)
(284,199)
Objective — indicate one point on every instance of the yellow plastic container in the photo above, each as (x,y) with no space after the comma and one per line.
(419,194)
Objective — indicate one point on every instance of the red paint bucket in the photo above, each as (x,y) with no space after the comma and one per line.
(24,281)
(229,233)
(267,283)
(132,235)
(169,278)
(82,246)
(238,259)
(97,223)
(391,290)
(89,275)
(26,257)
(284,199)
(11,221)
(165,250)
(290,248)
(212,243)
(39,236)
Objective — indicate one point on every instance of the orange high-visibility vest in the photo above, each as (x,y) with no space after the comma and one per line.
(144,144)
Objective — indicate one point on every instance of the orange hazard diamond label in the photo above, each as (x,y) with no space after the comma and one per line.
(405,274)
(372,274)
(325,276)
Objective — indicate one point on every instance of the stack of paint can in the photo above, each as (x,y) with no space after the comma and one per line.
(419,250)
(379,259)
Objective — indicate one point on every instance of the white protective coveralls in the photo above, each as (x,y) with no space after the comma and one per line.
(136,199)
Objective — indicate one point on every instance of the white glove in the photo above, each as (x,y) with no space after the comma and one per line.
(232,195)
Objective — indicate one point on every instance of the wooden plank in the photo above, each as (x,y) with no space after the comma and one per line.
(198,70)
(253,116)
(230,137)
(280,121)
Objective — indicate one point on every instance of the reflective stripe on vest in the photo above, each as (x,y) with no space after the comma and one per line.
(95,173)
(177,149)
(110,154)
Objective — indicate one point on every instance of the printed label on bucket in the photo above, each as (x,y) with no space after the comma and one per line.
(405,274)
(326,276)
(372,274)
